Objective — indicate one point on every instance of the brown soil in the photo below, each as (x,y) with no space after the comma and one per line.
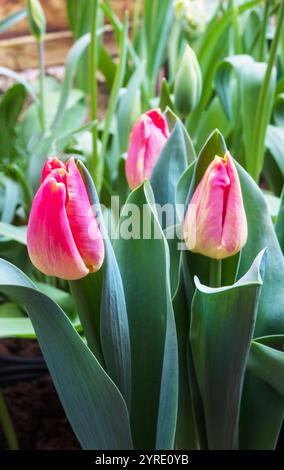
(37,414)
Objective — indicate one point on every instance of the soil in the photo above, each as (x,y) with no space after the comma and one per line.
(37,414)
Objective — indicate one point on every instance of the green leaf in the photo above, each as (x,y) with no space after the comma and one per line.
(250,76)
(263,413)
(274,161)
(11,200)
(129,108)
(213,114)
(143,262)
(11,20)
(114,330)
(266,361)
(279,227)
(19,234)
(186,433)
(93,404)
(15,76)
(73,58)
(157,19)
(222,327)
(165,96)
(170,165)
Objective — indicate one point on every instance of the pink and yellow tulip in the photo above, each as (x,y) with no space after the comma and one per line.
(148,137)
(215,223)
(64,238)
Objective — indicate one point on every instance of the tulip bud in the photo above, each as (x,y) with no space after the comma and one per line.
(192,17)
(63,236)
(215,223)
(147,139)
(36,19)
(188,83)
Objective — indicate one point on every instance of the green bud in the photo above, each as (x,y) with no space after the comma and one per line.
(188,83)
(192,17)
(36,19)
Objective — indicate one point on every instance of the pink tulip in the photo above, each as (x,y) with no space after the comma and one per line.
(63,235)
(147,139)
(215,224)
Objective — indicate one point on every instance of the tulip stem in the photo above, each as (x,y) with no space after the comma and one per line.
(41,84)
(215,273)
(263,32)
(93,65)
(83,292)
(7,425)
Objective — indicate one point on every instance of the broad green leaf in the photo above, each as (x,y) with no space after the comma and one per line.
(143,262)
(266,361)
(129,108)
(172,120)
(93,404)
(114,329)
(157,19)
(250,76)
(11,200)
(274,161)
(186,433)
(170,165)
(19,234)
(221,330)
(273,204)
(263,413)
(279,227)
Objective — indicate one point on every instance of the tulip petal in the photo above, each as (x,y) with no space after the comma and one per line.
(51,164)
(154,146)
(203,222)
(215,223)
(159,121)
(148,137)
(134,165)
(234,235)
(51,245)
(82,221)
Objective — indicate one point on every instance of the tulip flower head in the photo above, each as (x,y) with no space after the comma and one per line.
(148,137)
(215,223)
(63,236)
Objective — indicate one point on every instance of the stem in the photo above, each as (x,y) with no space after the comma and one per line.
(263,32)
(7,425)
(260,117)
(118,80)
(93,65)
(236,25)
(83,291)
(135,22)
(215,273)
(41,84)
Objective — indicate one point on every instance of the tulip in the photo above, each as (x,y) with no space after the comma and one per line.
(63,235)
(36,19)
(147,139)
(215,223)
(192,17)
(188,83)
